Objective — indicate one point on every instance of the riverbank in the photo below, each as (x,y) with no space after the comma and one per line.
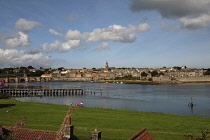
(143,82)
(114,124)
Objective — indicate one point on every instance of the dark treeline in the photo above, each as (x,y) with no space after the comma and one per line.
(22,71)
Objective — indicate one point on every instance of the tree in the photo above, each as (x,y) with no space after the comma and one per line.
(128,77)
(154,73)
(161,73)
(177,68)
(144,74)
(30,67)
(8,71)
(46,71)
(23,68)
(207,72)
(61,68)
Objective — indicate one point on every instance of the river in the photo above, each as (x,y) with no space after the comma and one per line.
(170,99)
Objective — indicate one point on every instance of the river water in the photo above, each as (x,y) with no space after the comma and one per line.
(170,99)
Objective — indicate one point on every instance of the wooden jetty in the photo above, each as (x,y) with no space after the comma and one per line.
(42,92)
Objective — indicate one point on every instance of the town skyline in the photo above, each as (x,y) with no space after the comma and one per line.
(128,33)
(105,66)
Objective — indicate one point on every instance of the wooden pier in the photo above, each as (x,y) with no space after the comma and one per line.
(42,92)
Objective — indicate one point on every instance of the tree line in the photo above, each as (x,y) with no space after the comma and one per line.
(21,71)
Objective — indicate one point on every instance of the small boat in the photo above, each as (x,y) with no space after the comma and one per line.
(79,104)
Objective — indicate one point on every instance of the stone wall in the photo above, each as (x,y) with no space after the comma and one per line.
(182,79)
(82,79)
(162,78)
(194,79)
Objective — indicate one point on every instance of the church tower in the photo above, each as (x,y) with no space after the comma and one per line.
(106,69)
(107,66)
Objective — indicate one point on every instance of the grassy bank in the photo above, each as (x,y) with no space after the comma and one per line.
(114,124)
(38,115)
(121,124)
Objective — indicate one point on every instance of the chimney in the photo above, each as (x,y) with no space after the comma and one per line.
(69,129)
(68,120)
(96,135)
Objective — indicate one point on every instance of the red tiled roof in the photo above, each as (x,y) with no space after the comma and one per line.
(94,75)
(98,77)
(33,134)
(143,134)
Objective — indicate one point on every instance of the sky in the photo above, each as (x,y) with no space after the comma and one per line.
(87,33)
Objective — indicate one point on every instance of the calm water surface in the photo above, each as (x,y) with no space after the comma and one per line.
(170,99)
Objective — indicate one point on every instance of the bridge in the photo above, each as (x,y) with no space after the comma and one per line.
(24,79)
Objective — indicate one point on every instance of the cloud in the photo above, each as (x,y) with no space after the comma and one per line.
(57,46)
(139,28)
(52,47)
(55,33)
(15,58)
(197,22)
(26,25)
(32,51)
(71,44)
(72,17)
(169,28)
(193,14)
(2,37)
(116,33)
(19,40)
(172,8)
(103,47)
(73,38)
(74,35)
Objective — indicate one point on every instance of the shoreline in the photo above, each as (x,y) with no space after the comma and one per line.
(139,82)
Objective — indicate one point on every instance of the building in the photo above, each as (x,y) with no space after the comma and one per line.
(46,75)
(106,69)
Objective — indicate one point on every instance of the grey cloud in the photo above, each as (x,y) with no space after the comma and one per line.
(193,14)
(196,23)
(32,51)
(172,8)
